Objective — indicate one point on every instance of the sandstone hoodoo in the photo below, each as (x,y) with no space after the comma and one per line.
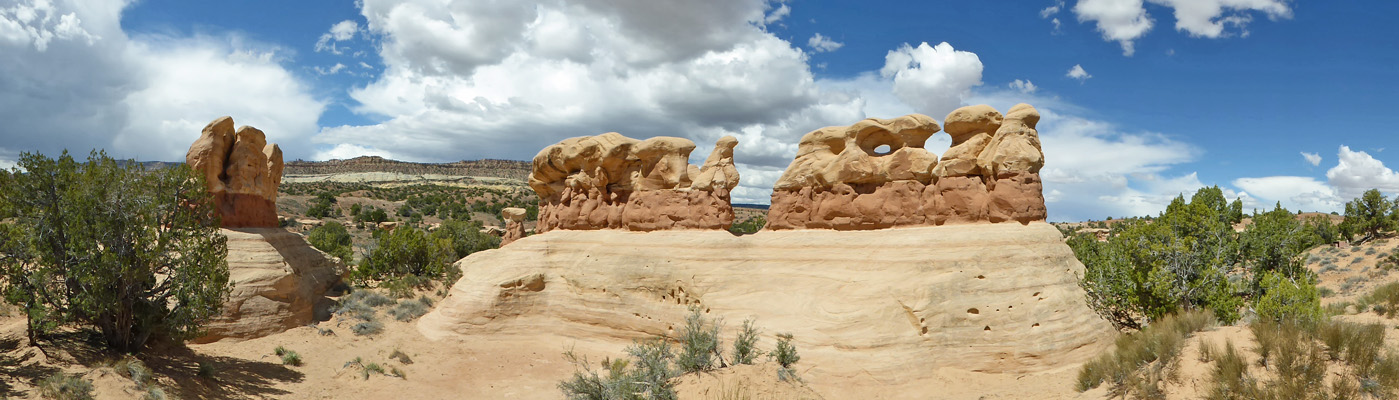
(876,174)
(878,313)
(241,170)
(610,181)
(514,224)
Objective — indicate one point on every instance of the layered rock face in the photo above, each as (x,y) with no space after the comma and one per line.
(278,279)
(610,181)
(241,170)
(514,224)
(876,311)
(876,174)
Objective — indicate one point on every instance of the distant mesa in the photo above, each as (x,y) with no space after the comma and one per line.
(610,181)
(241,170)
(876,174)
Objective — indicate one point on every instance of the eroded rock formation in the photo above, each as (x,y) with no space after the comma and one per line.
(878,311)
(241,170)
(876,174)
(610,181)
(278,282)
(514,224)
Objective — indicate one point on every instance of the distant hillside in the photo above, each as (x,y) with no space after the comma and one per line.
(481,168)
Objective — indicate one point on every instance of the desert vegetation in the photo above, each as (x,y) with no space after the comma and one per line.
(1186,269)
(132,253)
(652,366)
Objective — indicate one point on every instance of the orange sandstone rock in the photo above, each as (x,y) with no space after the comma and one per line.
(610,181)
(875,174)
(514,224)
(241,171)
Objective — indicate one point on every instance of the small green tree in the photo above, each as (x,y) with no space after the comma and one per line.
(1369,215)
(1288,299)
(405,252)
(334,239)
(135,253)
(1275,242)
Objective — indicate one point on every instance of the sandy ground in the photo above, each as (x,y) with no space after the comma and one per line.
(487,367)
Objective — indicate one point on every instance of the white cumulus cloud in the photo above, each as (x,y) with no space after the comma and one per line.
(340,32)
(1298,193)
(821,44)
(1357,171)
(1125,21)
(932,79)
(1023,86)
(141,97)
(1077,72)
(1312,158)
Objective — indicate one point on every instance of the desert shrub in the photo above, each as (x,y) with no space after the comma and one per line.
(646,375)
(785,354)
(1288,299)
(1387,296)
(334,239)
(154,393)
(699,343)
(749,225)
(323,206)
(1368,216)
(366,328)
(206,370)
(405,251)
(62,386)
(1137,360)
(1325,292)
(291,358)
(1149,269)
(409,310)
(746,344)
(1297,352)
(134,369)
(401,357)
(134,253)
(1231,381)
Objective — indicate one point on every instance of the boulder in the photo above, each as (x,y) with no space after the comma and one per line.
(279,282)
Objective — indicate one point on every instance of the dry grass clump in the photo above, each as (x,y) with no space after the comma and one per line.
(1384,300)
(1141,361)
(1297,358)
(62,386)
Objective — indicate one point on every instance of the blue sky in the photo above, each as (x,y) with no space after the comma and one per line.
(1272,100)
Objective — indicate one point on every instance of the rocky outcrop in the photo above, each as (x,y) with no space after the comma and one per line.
(610,181)
(871,311)
(876,174)
(514,224)
(278,280)
(241,170)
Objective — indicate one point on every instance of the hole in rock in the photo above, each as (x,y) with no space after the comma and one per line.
(973,311)
(987,328)
(1036,325)
(1037,294)
(925,330)
(981,277)
(1009,307)
(921,320)
(882,149)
